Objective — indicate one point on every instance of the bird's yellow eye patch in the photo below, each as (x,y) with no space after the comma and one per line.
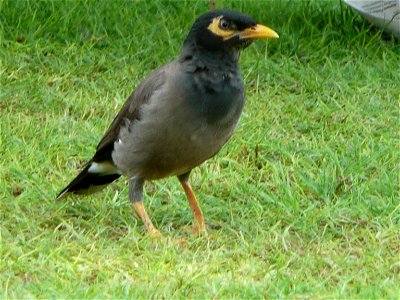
(217,26)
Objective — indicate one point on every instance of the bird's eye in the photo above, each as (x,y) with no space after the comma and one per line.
(224,24)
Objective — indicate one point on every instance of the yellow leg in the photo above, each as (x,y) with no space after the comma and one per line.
(199,227)
(141,212)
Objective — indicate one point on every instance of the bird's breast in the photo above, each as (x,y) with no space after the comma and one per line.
(217,97)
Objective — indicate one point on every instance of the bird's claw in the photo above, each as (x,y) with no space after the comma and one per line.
(199,230)
(155,233)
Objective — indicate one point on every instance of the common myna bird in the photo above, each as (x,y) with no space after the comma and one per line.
(179,116)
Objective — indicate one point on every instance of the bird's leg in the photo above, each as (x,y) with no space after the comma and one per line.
(136,196)
(141,212)
(200,226)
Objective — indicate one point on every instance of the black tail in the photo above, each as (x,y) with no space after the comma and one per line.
(94,177)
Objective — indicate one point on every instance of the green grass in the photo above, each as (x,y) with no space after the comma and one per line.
(302,202)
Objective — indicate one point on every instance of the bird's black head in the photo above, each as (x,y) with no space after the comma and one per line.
(224,30)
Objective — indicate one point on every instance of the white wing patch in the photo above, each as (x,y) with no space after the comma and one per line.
(104,168)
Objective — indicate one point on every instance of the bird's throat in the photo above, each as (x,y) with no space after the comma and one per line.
(214,60)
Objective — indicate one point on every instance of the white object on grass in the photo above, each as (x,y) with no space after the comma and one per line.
(382,13)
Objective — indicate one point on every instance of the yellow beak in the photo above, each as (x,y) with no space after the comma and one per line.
(258,32)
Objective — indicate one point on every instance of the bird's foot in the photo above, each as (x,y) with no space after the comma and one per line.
(179,242)
(199,230)
(154,233)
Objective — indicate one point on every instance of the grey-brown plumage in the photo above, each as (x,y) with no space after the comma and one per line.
(179,116)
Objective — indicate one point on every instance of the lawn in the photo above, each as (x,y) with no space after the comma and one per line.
(302,202)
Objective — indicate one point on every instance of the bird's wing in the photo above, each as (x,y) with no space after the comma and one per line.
(100,170)
(130,111)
